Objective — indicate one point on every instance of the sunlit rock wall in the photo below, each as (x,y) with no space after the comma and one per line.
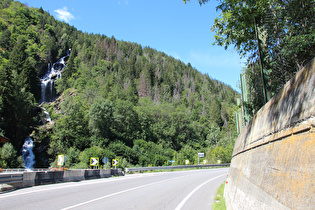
(273,160)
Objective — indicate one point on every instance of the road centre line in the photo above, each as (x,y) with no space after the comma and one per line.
(192,192)
(121,192)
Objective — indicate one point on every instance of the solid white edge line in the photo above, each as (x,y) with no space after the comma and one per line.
(192,192)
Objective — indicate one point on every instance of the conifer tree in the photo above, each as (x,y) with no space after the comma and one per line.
(18,55)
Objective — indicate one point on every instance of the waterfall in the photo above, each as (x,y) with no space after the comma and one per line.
(45,117)
(27,154)
(48,92)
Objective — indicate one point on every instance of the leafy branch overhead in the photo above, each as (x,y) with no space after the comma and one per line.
(286,29)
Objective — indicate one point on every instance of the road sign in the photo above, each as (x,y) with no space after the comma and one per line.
(105,160)
(94,161)
(61,160)
(186,162)
(201,154)
(204,161)
(115,162)
(172,161)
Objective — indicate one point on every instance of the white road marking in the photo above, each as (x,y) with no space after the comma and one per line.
(117,193)
(192,192)
(58,186)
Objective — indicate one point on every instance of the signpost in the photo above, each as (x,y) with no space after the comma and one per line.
(172,161)
(94,161)
(115,162)
(105,161)
(200,155)
(61,160)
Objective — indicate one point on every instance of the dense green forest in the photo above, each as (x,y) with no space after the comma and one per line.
(116,99)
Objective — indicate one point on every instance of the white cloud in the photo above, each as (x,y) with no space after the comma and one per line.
(125,2)
(64,15)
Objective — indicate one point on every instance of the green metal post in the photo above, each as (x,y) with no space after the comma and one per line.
(261,36)
(244,99)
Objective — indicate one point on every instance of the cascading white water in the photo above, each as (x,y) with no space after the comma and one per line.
(46,116)
(27,154)
(48,92)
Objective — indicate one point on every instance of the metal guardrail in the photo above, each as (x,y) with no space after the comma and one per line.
(175,167)
(14,170)
(9,178)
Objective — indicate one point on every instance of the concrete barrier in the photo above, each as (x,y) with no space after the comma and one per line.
(74,175)
(49,177)
(29,179)
(273,160)
(117,172)
(32,178)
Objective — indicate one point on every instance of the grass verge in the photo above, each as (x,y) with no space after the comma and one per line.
(219,201)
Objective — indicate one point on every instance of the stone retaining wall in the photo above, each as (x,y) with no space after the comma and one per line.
(273,160)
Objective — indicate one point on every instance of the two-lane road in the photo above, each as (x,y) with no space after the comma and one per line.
(165,190)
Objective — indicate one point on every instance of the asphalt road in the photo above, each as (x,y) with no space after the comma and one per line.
(193,189)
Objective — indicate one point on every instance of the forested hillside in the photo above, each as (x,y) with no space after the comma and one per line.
(116,99)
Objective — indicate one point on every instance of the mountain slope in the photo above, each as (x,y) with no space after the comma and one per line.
(117,99)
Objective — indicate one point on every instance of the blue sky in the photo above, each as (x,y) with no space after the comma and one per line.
(180,30)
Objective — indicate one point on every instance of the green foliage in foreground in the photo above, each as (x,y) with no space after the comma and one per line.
(288,37)
(9,157)
(219,201)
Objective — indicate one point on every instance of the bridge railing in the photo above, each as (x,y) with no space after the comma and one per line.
(174,167)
